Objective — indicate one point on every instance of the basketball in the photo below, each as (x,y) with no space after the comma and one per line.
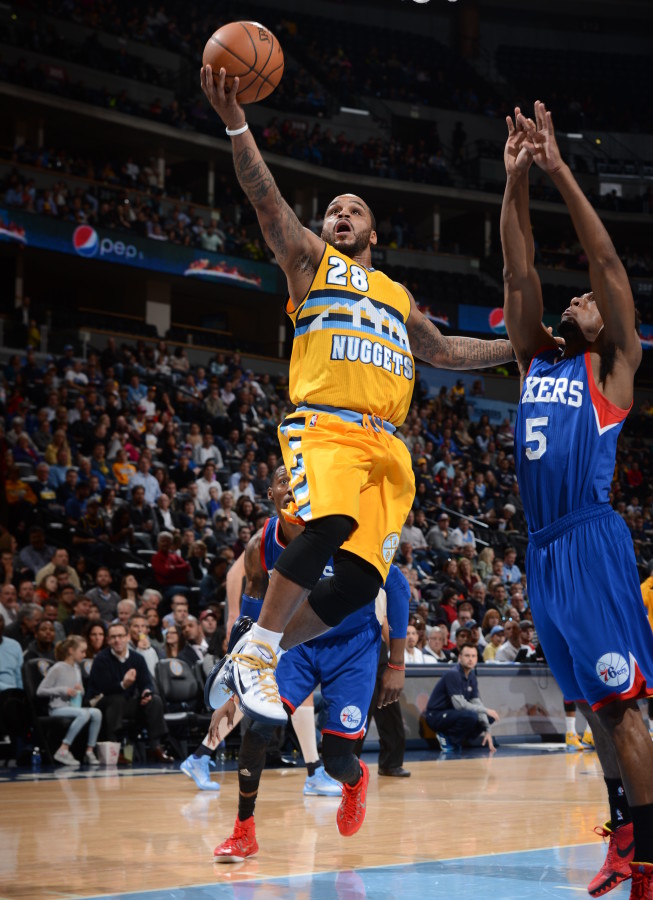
(249,52)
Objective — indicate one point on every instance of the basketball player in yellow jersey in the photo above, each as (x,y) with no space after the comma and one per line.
(351,378)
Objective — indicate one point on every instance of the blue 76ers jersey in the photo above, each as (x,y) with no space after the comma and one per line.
(272,548)
(565,439)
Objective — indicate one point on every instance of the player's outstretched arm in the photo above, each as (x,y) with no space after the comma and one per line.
(522,302)
(256,577)
(608,277)
(429,344)
(298,250)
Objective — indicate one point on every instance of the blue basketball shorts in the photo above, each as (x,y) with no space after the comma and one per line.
(587,607)
(345,666)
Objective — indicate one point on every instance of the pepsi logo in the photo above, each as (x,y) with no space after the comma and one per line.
(85,241)
(497,324)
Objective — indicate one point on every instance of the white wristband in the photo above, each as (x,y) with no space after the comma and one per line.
(234,131)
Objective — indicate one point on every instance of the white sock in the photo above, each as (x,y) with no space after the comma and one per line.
(272,638)
(650,725)
(570,724)
(303,721)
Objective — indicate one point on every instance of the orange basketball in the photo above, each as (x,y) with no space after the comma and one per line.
(250,52)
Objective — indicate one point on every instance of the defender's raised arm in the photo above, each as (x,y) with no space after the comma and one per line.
(522,290)
(608,277)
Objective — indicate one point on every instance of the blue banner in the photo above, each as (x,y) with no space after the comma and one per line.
(31,230)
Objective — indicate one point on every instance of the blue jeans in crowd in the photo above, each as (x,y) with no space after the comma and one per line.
(80,716)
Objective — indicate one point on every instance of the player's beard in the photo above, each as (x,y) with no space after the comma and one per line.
(568,329)
(360,243)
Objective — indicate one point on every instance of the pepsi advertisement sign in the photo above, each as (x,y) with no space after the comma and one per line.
(34,231)
(88,244)
(482,320)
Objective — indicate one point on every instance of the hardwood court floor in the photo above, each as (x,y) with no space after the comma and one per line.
(72,837)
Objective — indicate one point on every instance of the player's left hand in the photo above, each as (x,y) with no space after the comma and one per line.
(488,742)
(392,684)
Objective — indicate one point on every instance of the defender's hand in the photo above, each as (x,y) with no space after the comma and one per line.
(518,152)
(392,684)
(542,136)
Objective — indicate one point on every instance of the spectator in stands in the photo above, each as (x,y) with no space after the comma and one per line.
(463,534)
(182,474)
(95,635)
(498,597)
(102,596)
(23,630)
(178,612)
(412,534)
(511,572)
(440,538)
(167,519)
(142,518)
(207,450)
(8,603)
(412,653)
(465,610)
(491,619)
(62,686)
(511,650)
(139,640)
(59,558)
(126,609)
(435,650)
(81,615)
(123,470)
(174,641)
(37,554)
(91,533)
(196,644)
(42,646)
(455,710)
(121,677)
(145,479)
(14,711)
(206,482)
(484,564)
(213,584)
(495,640)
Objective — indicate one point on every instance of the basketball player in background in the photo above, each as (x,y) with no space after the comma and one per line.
(344,662)
(351,377)
(573,404)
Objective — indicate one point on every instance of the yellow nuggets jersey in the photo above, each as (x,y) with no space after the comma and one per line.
(351,347)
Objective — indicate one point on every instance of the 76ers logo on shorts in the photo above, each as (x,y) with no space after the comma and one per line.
(351,717)
(85,240)
(390,546)
(613,669)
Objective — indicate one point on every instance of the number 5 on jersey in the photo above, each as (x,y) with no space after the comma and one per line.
(533,436)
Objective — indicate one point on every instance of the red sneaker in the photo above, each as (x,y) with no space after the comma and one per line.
(616,868)
(241,845)
(642,886)
(351,813)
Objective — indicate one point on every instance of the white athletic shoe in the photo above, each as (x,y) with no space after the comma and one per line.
(249,672)
(66,758)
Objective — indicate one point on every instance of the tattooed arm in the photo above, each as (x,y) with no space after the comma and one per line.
(429,344)
(297,250)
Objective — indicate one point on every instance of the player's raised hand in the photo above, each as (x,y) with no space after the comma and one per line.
(518,152)
(541,134)
(223,101)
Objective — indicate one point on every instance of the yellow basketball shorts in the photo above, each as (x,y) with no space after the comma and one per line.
(350,468)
